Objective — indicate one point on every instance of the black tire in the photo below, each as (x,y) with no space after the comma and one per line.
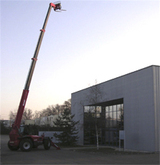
(12,148)
(26,145)
(47,144)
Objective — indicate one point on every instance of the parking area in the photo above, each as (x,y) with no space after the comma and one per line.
(71,156)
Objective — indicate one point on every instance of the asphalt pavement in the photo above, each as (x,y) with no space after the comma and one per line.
(69,156)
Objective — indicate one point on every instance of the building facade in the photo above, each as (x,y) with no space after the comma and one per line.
(128,105)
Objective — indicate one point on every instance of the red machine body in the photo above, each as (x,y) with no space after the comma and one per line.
(17,138)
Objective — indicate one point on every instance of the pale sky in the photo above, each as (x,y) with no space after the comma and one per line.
(92,40)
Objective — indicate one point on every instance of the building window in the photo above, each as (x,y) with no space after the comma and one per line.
(108,118)
(114,123)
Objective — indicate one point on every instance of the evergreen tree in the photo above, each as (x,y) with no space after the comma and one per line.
(67,125)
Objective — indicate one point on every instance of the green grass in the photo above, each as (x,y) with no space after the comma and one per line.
(94,150)
(104,151)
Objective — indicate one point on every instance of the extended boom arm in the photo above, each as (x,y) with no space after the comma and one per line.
(16,125)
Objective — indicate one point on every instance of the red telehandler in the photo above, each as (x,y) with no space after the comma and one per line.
(18,137)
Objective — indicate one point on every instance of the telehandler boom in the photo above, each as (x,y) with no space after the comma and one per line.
(17,137)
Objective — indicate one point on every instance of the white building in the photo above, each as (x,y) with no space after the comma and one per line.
(29,122)
(130,102)
(46,120)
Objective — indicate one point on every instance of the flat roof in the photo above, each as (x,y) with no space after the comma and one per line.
(119,77)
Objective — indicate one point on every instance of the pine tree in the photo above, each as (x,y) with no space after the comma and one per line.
(67,125)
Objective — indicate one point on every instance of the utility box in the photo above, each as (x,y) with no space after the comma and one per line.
(121,135)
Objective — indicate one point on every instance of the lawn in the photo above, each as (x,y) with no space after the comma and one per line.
(104,150)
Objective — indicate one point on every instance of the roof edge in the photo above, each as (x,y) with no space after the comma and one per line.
(119,77)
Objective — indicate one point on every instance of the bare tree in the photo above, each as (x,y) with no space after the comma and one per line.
(12,115)
(54,109)
(58,108)
(67,104)
(27,114)
(51,110)
(94,97)
(37,114)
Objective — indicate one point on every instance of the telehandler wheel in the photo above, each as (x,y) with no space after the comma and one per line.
(47,144)
(26,145)
(12,148)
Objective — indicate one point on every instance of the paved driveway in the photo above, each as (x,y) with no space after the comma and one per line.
(68,156)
